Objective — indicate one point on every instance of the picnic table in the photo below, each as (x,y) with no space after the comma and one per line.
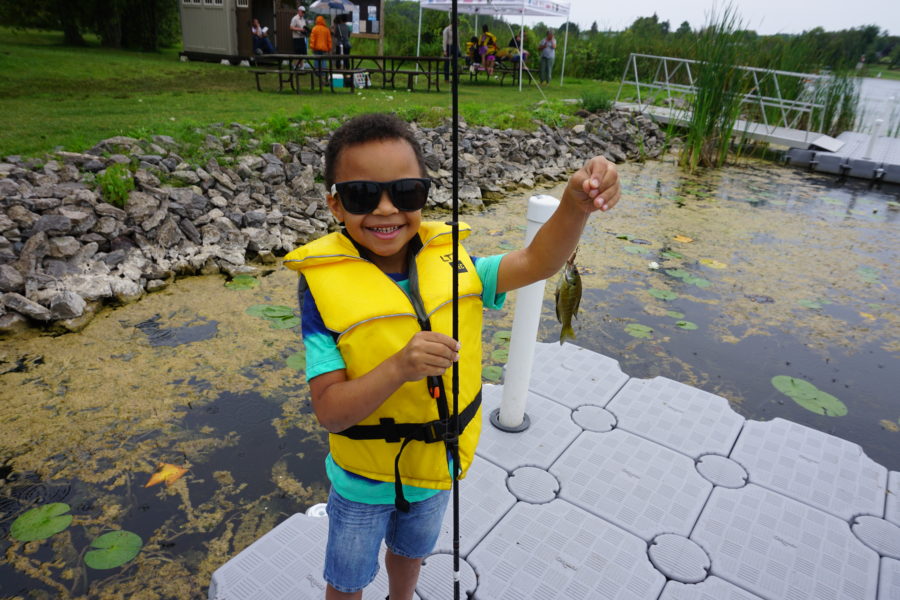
(288,70)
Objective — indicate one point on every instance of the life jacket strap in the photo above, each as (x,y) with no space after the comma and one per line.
(441,430)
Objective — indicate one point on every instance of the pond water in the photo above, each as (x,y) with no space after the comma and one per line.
(763,271)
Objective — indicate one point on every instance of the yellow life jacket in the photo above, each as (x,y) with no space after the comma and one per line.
(374,319)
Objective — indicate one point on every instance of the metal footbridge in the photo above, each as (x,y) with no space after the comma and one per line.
(662,86)
(632,489)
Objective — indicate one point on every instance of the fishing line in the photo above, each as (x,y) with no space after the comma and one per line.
(454,112)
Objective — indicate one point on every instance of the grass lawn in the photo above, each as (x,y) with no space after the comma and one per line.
(55,96)
(882,71)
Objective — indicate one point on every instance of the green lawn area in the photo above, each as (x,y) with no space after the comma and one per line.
(58,96)
(882,71)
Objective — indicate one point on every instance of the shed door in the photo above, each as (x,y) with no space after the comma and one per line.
(242,22)
(283,18)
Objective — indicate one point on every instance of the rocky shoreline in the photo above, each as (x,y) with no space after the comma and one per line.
(65,251)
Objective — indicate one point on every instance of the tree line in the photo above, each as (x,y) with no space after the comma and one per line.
(149,25)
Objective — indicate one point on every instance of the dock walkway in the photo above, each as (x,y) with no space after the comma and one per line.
(859,156)
(633,489)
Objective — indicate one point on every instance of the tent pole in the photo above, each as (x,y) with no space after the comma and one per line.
(419,33)
(522,46)
(562,70)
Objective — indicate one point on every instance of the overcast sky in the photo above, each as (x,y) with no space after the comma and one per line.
(763,16)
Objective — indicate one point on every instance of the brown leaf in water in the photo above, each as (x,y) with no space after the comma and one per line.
(168,473)
(683,239)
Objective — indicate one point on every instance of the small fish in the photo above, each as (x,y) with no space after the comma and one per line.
(568,297)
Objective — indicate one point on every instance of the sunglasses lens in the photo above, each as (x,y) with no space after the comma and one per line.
(409,194)
(362,197)
(359,197)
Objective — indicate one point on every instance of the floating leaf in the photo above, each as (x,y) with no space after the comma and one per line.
(662,294)
(868,274)
(698,281)
(505,245)
(492,373)
(113,549)
(685,325)
(639,331)
(636,250)
(867,316)
(683,239)
(168,473)
(678,273)
(624,236)
(889,425)
(671,254)
(270,311)
(500,355)
(674,314)
(813,304)
(242,282)
(296,361)
(501,337)
(713,264)
(809,396)
(285,323)
(41,522)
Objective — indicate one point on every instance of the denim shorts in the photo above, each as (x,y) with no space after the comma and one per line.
(355,531)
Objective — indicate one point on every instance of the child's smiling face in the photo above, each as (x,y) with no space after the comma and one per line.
(385,231)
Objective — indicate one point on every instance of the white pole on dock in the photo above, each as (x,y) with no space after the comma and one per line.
(876,129)
(511,414)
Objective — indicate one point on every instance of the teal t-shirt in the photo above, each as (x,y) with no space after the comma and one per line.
(323,356)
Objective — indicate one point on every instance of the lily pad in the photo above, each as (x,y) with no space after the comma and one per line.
(296,361)
(677,273)
(639,331)
(278,316)
(868,274)
(113,549)
(501,337)
(685,325)
(662,294)
(41,522)
(674,314)
(671,254)
(813,304)
(242,282)
(500,355)
(809,396)
(636,250)
(492,373)
(698,281)
(624,236)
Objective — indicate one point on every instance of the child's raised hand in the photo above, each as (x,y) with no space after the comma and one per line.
(595,186)
(427,353)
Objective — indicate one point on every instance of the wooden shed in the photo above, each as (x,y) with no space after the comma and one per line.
(220,29)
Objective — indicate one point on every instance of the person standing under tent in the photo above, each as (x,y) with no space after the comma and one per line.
(320,43)
(547,48)
(341,35)
(450,50)
(299,31)
(377,325)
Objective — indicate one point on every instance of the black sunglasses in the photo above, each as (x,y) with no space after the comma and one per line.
(362,197)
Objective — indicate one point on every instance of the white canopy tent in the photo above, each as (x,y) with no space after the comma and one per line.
(497,8)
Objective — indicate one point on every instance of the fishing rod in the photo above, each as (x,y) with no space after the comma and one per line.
(454,144)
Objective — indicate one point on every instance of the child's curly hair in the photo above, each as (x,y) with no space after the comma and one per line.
(367,128)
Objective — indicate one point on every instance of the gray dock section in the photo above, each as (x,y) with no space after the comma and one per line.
(635,490)
(859,156)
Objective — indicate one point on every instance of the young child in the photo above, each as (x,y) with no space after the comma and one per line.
(377,324)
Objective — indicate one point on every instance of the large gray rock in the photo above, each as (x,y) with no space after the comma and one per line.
(11,280)
(66,305)
(24,306)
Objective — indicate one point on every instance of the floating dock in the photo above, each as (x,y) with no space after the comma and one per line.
(632,489)
(860,156)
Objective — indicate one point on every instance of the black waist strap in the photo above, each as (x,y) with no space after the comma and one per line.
(390,431)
